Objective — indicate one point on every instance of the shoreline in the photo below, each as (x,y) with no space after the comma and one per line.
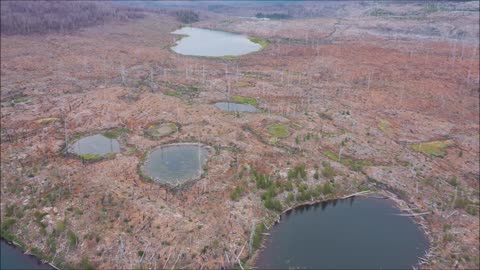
(14,245)
(418,220)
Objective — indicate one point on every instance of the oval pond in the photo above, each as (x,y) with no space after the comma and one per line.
(95,145)
(235,107)
(205,42)
(356,233)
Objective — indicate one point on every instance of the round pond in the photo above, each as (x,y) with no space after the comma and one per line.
(175,164)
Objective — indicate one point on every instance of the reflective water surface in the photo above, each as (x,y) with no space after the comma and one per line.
(235,107)
(205,42)
(175,164)
(13,258)
(358,233)
(95,144)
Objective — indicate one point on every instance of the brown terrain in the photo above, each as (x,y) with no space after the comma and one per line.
(358,90)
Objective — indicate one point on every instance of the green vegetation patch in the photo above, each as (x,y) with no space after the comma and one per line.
(157,131)
(258,235)
(328,171)
(433,148)
(353,164)
(115,133)
(243,84)
(178,90)
(278,130)
(255,74)
(237,192)
(172,93)
(230,56)
(298,172)
(244,100)
(20,99)
(385,126)
(260,41)
(90,156)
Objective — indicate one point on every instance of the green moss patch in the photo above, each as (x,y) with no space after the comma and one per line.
(353,164)
(90,156)
(260,41)
(115,133)
(230,56)
(278,130)
(178,90)
(385,126)
(244,100)
(157,131)
(243,84)
(433,148)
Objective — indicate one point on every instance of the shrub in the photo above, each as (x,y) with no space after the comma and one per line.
(327,188)
(328,171)
(270,193)
(7,223)
(85,264)
(237,192)
(273,204)
(258,235)
(298,172)
(290,198)
(262,181)
(453,181)
(72,239)
(61,226)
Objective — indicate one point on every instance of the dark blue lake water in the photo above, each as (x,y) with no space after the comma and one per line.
(13,258)
(357,233)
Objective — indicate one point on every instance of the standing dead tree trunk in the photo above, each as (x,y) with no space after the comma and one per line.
(123,73)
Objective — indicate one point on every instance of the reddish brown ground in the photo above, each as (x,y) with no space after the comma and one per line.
(425,89)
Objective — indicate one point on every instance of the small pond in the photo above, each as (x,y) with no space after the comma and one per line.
(97,145)
(235,107)
(157,131)
(12,257)
(356,233)
(205,42)
(175,164)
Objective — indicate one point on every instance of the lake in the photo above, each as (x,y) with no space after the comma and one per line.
(13,258)
(176,163)
(359,233)
(205,42)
